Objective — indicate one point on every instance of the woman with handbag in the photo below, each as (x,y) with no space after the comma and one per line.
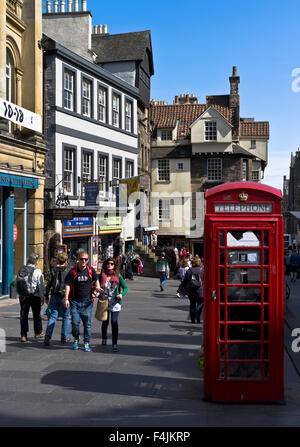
(193,284)
(114,289)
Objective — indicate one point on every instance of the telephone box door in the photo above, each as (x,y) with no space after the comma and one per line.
(243,313)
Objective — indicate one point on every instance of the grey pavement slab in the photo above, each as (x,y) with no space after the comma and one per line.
(153,381)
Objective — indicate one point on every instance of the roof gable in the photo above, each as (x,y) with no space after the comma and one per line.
(213,112)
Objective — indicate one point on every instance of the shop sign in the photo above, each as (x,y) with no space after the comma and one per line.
(79,226)
(21,116)
(91,191)
(110,224)
(18,181)
(243,208)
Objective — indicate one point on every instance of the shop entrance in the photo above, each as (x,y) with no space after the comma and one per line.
(76,245)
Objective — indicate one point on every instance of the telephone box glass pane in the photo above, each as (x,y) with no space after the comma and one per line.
(244,313)
(243,371)
(222,239)
(243,351)
(244,276)
(244,332)
(222,256)
(236,238)
(266,238)
(243,257)
(244,294)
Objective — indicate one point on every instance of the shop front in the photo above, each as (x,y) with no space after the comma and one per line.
(14,196)
(77,235)
(108,242)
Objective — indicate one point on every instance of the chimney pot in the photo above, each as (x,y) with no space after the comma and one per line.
(76,5)
(105,29)
(234,71)
(49,7)
(83,5)
(62,6)
(70,4)
(187,99)
(176,100)
(95,29)
(100,29)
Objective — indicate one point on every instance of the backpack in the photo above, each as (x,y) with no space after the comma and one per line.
(59,281)
(195,282)
(24,281)
(72,291)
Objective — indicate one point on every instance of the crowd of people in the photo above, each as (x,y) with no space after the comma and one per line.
(70,290)
(190,271)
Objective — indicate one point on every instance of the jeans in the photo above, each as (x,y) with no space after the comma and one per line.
(163,278)
(55,303)
(35,303)
(82,310)
(196,306)
(114,327)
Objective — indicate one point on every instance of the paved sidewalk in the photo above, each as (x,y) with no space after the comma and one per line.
(154,381)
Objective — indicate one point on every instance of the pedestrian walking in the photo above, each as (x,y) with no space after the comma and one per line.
(30,287)
(79,298)
(294,265)
(56,286)
(113,289)
(193,285)
(163,270)
(129,257)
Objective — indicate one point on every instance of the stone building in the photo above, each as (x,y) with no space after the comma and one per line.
(195,147)
(291,200)
(22,148)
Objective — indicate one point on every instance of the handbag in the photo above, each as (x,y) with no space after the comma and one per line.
(101,313)
(194,283)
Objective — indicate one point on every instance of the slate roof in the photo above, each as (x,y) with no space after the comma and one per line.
(167,116)
(122,47)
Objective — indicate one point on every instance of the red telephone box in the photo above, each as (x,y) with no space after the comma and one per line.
(244,320)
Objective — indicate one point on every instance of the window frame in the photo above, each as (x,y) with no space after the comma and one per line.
(212,131)
(252,144)
(105,188)
(257,172)
(129,162)
(119,160)
(105,106)
(119,125)
(73,150)
(90,153)
(130,117)
(168,169)
(73,73)
(166,132)
(209,169)
(90,82)
(177,164)
(161,209)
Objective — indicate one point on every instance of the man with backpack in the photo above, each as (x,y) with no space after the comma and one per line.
(79,298)
(30,287)
(56,285)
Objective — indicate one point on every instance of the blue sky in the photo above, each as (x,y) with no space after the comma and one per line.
(196,43)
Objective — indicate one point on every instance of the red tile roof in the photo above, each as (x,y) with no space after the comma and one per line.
(257,129)
(167,116)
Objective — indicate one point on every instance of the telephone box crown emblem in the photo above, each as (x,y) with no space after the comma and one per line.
(243,196)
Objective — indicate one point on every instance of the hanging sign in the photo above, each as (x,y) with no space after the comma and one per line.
(21,116)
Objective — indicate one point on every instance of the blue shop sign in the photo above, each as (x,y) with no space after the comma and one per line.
(79,226)
(17,181)
(78,221)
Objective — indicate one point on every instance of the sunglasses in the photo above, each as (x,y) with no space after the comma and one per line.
(112,263)
(84,259)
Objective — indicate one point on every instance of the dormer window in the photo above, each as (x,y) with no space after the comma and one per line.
(210,131)
(166,135)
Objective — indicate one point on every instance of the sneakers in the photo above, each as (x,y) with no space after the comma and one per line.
(23,339)
(115,348)
(47,340)
(41,335)
(86,347)
(75,343)
(161,288)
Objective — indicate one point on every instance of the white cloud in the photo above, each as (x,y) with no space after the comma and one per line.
(278,166)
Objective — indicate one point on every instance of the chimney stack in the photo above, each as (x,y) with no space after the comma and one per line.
(70,5)
(76,5)
(83,5)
